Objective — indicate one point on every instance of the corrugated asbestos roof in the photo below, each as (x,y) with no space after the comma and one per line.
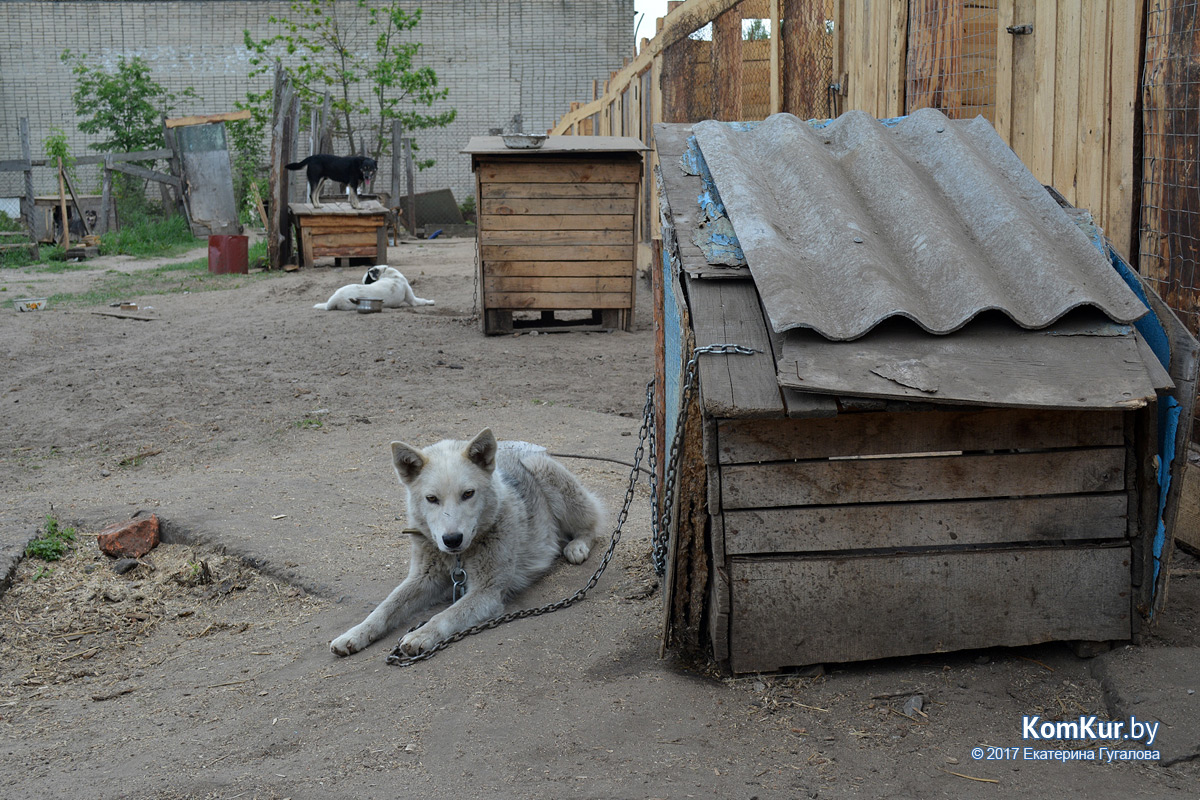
(846,225)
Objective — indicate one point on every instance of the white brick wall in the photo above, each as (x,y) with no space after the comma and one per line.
(499,58)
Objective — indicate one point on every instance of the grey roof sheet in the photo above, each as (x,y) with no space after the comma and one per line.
(849,224)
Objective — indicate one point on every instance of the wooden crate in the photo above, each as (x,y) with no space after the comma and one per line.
(920,532)
(340,231)
(557,230)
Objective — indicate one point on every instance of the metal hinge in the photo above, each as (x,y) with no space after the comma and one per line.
(1020,30)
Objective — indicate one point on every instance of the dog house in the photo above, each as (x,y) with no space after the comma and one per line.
(950,433)
(557,230)
(351,236)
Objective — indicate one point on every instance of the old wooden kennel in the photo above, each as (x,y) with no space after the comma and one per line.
(951,432)
(557,228)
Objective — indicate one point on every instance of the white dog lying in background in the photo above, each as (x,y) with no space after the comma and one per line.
(380,283)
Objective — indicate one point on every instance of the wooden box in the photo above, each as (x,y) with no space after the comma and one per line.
(557,230)
(814,528)
(338,230)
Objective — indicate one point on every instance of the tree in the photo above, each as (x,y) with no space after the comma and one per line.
(364,60)
(125,106)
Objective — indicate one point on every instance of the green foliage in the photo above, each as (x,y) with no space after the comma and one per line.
(125,106)
(53,544)
(147,236)
(756,31)
(467,206)
(8,223)
(55,147)
(336,53)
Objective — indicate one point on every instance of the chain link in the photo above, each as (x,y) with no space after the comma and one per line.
(659,529)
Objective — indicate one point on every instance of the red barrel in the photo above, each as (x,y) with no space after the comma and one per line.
(228,254)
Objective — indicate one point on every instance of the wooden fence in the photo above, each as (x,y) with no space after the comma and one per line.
(1061,88)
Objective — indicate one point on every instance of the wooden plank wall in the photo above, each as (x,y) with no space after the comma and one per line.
(974,528)
(1064,97)
(558,234)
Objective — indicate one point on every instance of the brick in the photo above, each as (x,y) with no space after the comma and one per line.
(132,539)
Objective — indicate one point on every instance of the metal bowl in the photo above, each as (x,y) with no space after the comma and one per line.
(369,305)
(524,141)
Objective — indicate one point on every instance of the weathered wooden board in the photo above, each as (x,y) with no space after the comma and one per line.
(558,301)
(520,207)
(564,269)
(509,252)
(728,312)
(558,284)
(947,523)
(573,221)
(577,193)
(560,172)
(745,441)
(787,612)
(989,362)
(531,238)
(892,480)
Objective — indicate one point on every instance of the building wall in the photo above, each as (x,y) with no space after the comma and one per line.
(499,58)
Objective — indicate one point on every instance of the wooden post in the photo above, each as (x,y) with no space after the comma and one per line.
(62,205)
(410,210)
(105,196)
(776,60)
(27,157)
(175,168)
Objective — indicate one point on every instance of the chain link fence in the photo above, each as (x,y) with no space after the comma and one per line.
(723,70)
(951,64)
(1169,248)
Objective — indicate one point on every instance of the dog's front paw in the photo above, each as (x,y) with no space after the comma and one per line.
(348,643)
(422,639)
(577,551)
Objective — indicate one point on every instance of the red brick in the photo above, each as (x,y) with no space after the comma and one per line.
(132,539)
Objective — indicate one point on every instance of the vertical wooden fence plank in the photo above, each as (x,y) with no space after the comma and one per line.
(1002,120)
(727,65)
(1067,105)
(1124,57)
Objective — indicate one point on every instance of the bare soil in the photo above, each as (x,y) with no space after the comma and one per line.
(258,429)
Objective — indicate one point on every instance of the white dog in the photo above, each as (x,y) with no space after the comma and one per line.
(499,512)
(381,283)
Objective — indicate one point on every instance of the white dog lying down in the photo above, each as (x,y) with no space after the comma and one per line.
(501,511)
(380,283)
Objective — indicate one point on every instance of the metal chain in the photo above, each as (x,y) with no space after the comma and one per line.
(401,659)
(660,531)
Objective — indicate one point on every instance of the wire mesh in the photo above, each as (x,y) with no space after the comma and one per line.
(951,62)
(1169,246)
(723,69)
(806,52)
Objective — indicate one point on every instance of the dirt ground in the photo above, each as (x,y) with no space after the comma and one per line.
(258,429)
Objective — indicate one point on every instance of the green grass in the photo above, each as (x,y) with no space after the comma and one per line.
(186,276)
(53,544)
(150,237)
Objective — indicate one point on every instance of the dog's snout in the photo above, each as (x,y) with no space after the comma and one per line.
(452,540)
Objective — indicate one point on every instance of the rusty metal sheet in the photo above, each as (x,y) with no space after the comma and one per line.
(1083,361)
(848,224)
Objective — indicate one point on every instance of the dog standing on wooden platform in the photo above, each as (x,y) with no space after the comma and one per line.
(354,171)
(501,512)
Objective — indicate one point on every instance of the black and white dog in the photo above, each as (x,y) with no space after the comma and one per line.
(354,171)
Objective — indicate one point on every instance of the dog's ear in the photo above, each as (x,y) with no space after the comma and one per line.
(481,450)
(408,461)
